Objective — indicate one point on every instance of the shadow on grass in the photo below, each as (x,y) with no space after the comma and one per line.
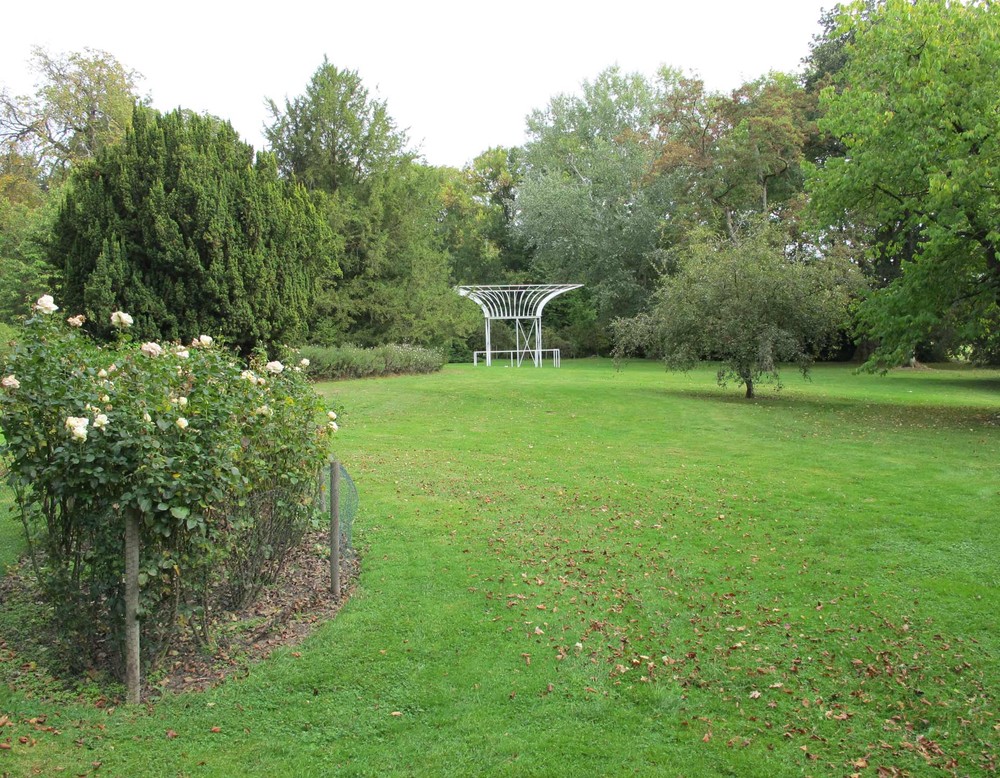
(976,383)
(900,413)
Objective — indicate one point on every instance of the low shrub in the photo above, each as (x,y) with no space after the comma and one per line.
(340,362)
(181,437)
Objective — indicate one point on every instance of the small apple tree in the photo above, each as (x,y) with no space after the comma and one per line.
(747,301)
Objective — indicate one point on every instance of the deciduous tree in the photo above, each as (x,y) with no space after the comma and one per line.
(586,205)
(916,111)
(729,155)
(83,103)
(748,301)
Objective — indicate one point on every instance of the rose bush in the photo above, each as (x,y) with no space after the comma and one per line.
(172,434)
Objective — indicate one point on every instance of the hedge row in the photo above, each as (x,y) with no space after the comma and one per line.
(338,362)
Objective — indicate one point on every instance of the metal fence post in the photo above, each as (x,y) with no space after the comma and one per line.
(335,528)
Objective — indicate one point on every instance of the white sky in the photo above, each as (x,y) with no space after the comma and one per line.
(459,75)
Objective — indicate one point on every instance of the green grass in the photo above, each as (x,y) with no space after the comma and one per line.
(587,572)
(12,544)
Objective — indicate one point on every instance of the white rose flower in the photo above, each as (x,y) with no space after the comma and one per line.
(205,340)
(264,410)
(105,398)
(248,375)
(76,321)
(151,349)
(181,422)
(45,304)
(146,417)
(102,373)
(77,425)
(100,421)
(120,319)
(333,425)
(10,382)
(331,415)
(183,353)
(274,367)
(304,362)
(182,402)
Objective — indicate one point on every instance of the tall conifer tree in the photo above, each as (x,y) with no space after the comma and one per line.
(183,228)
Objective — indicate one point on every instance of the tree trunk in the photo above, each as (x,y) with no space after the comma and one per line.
(730,226)
(749,385)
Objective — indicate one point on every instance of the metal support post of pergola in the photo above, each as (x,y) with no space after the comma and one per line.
(522,304)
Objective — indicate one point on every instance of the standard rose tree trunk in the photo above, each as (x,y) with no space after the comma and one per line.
(132,684)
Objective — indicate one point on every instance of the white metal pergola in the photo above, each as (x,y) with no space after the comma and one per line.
(521,304)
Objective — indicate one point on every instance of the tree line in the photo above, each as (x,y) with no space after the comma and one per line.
(863,188)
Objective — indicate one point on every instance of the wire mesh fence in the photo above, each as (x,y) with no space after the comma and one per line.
(264,529)
(12,540)
(347,502)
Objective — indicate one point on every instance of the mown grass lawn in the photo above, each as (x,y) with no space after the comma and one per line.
(11,535)
(590,572)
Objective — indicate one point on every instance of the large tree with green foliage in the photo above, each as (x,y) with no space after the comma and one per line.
(748,300)
(587,204)
(915,108)
(335,134)
(723,156)
(23,223)
(383,209)
(180,226)
(83,102)
(618,176)
(396,285)
(24,266)
(477,219)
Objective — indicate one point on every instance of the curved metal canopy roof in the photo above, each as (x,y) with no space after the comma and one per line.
(515,301)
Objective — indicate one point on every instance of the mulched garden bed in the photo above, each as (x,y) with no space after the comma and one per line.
(285,613)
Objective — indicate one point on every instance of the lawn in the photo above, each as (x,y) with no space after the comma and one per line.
(11,535)
(589,572)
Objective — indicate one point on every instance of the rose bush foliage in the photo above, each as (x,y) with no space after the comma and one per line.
(179,435)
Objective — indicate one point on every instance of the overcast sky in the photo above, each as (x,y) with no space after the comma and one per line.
(460,76)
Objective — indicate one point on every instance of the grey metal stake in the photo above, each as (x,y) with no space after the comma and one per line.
(335,528)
